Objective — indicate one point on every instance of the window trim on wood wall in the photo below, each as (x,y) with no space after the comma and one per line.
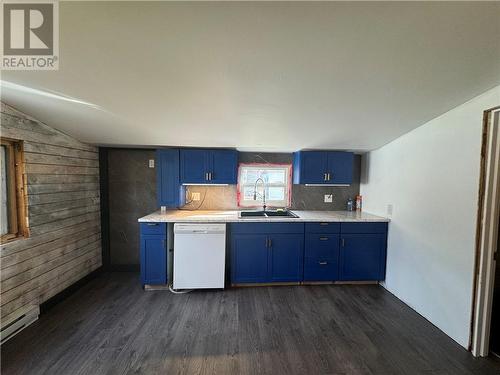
(16,191)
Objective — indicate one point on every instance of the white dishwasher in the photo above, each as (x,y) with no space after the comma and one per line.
(199,256)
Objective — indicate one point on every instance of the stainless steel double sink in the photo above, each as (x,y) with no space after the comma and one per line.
(267,214)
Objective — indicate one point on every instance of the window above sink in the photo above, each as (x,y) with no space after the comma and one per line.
(277,183)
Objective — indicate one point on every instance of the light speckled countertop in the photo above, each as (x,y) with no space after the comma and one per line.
(185,216)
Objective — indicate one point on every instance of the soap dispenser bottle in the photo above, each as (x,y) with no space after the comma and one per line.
(350,205)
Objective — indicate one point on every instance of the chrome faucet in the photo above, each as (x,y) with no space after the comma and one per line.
(263,195)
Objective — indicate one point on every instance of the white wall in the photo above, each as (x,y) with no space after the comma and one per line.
(431,177)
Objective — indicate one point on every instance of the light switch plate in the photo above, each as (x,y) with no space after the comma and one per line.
(151,163)
(195,197)
(328,198)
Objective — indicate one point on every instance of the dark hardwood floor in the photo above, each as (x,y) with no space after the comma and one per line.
(111,326)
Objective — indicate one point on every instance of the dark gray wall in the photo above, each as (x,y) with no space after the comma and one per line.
(132,194)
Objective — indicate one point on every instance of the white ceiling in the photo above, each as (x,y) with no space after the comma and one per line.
(260,76)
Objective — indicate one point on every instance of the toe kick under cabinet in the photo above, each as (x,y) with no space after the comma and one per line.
(308,252)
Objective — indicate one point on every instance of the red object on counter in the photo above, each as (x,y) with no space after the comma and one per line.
(359,202)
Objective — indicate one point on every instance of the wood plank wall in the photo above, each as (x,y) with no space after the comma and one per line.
(62,194)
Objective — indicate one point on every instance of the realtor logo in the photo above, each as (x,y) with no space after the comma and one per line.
(30,35)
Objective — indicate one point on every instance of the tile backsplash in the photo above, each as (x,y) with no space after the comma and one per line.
(303,197)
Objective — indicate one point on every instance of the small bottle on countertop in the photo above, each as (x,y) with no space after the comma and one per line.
(350,205)
(359,202)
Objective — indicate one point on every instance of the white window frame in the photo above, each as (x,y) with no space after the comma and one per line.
(258,202)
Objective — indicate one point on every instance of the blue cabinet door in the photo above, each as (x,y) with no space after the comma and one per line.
(362,257)
(153,259)
(169,190)
(249,258)
(286,257)
(194,166)
(223,167)
(310,167)
(340,167)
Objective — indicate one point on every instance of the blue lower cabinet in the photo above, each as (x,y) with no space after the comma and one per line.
(153,254)
(322,245)
(363,256)
(280,252)
(267,252)
(249,257)
(261,258)
(286,257)
(321,269)
(321,257)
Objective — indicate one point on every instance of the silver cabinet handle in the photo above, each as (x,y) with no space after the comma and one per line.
(323,238)
(152,224)
(328,176)
(323,263)
(343,242)
(267,242)
(206,176)
(210,176)
(324,176)
(323,224)
(270,243)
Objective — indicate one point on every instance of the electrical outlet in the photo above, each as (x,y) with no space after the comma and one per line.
(151,163)
(328,198)
(389,210)
(195,197)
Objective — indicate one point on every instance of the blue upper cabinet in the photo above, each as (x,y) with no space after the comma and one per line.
(323,167)
(169,190)
(310,167)
(194,166)
(223,167)
(199,166)
(340,166)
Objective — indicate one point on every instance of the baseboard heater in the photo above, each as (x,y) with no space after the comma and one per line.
(19,324)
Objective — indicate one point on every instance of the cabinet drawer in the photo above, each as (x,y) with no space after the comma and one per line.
(323,227)
(267,228)
(364,227)
(322,245)
(153,228)
(320,269)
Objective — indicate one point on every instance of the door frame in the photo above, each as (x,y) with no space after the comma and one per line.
(486,233)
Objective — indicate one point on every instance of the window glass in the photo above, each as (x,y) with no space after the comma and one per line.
(269,181)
